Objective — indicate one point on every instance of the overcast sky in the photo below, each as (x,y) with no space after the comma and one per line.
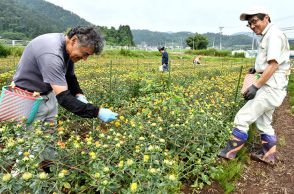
(181,15)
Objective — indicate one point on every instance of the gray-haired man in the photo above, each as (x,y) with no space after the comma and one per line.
(47,67)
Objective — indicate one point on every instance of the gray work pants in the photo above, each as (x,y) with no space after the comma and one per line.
(260,110)
(47,114)
(48,109)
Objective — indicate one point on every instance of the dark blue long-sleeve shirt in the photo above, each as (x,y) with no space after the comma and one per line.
(164,58)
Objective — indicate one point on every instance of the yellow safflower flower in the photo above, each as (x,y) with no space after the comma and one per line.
(146,158)
(134,187)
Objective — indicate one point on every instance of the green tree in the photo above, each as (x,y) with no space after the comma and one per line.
(122,37)
(125,37)
(197,42)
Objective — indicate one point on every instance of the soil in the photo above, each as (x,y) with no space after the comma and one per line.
(260,178)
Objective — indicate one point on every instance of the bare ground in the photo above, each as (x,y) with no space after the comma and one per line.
(259,178)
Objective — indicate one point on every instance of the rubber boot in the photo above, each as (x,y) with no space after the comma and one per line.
(236,142)
(268,152)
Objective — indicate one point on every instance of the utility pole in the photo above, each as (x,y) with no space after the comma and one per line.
(213,42)
(220,37)
(181,47)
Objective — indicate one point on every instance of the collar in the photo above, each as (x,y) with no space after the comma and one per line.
(266,29)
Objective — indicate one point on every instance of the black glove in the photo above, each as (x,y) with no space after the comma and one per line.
(250,92)
(252,70)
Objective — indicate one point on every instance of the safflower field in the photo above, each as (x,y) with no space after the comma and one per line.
(170,128)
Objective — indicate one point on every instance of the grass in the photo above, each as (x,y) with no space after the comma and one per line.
(230,173)
(232,169)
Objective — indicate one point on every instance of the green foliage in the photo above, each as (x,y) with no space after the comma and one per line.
(228,174)
(4,51)
(26,19)
(13,35)
(30,18)
(197,42)
(210,52)
(125,36)
(132,53)
(122,37)
(292,46)
(16,50)
(162,137)
(10,50)
(239,55)
(126,52)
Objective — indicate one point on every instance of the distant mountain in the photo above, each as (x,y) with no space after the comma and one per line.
(230,42)
(151,38)
(250,34)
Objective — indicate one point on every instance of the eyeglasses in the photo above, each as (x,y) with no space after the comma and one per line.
(252,22)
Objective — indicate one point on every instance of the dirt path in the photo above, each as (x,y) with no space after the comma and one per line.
(263,179)
(259,178)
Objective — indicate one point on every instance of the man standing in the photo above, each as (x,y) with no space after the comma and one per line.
(267,93)
(47,67)
(164,60)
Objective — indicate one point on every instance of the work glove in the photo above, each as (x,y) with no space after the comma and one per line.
(106,115)
(82,98)
(250,92)
(252,70)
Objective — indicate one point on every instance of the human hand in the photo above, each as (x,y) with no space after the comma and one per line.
(82,98)
(106,115)
(252,70)
(250,92)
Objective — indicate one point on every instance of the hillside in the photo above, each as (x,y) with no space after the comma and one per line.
(151,38)
(22,19)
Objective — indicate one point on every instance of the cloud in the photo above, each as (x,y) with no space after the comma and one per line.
(166,15)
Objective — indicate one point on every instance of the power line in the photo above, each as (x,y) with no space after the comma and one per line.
(284,18)
(287,28)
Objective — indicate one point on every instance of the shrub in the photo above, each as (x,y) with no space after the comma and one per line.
(210,52)
(16,51)
(239,55)
(126,52)
(4,51)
